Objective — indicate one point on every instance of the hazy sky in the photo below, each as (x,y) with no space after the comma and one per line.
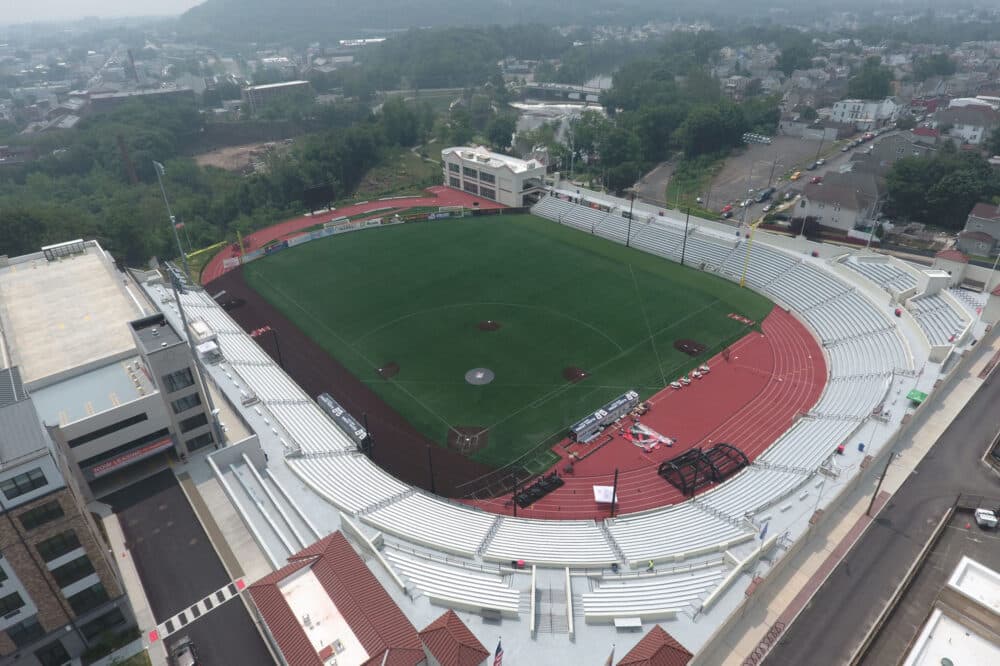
(16,11)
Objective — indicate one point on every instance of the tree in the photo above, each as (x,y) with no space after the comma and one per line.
(796,55)
(500,131)
(992,143)
(399,122)
(936,64)
(871,82)
(808,114)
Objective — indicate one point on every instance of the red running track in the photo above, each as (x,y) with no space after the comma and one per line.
(438,196)
(747,401)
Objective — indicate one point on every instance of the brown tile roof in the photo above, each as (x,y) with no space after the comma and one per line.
(986,211)
(978,235)
(373,616)
(451,642)
(952,255)
(657,648)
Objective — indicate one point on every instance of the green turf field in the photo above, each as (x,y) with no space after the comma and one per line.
(414,294)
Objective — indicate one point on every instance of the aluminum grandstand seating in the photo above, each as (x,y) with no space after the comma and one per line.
(456,586)
(807,444)
(310,428)
(569,542)
(552,208)
(434,523)
(674,533)
(650,598)
(883,273)
(350,482)
(271,383)
(752,490)
(845,316)
(937,319)
(707,249)
(881,352)
(242,349)
(765,267)
(659,238)
(805,286)
(852,396)
(614,227)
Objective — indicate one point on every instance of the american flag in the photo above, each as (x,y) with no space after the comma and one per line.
(498,656)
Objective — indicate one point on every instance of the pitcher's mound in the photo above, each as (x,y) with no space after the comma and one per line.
(389,370)
(479,376)
(489,325)
(690,347)
(574,374)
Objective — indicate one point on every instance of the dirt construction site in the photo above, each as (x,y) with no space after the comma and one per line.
(246,158)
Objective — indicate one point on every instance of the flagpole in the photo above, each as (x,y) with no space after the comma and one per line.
(158,168)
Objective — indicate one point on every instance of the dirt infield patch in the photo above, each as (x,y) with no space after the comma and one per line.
(489,325)
(466,439)
(389,370)
(574,374)
(689,347)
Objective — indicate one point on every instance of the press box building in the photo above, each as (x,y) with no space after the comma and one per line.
(494,176)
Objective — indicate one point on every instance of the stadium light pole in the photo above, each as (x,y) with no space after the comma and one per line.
(160,170)
(684,243)
(628,234)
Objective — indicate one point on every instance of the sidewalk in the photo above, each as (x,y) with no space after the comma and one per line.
(785,596)
(133,587)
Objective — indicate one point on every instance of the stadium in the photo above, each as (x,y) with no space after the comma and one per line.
(717,478)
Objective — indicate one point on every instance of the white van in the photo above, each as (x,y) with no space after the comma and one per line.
(986,518)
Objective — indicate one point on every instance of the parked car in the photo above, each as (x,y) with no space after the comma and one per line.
(728,208)
(765,194)
(768,208)
(789,195)
(986,519)
(183,653)
(796,175)
(820,162)
(845,148)
(812,167)
(816,180)
(728,214)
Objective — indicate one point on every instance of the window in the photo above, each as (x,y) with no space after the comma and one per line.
(11,603)
(58,545)
(128,446)
(454,168)
(469,172)
(187,402)
(73,571)
(88,599)
(102,623)
(454,182)
(53,654)
(23,483)
(176,381)
(41,514)
(487,177)
(471,187)
(488,192)
(107,430)
(196,421)
(198,442)
(3,575)
(25,632)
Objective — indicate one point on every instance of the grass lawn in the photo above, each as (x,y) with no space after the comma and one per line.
(692,179)
(402,174)
(413,294)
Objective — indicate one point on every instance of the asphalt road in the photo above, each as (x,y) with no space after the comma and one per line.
(178,566)
(843,609)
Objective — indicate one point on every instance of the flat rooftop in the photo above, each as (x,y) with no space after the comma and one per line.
(944,640)
(155,332)
(93,392)
(63,314)
(319,618)
(480,155)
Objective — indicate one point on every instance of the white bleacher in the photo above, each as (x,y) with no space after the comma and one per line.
(310,428)
(881,352)
(809,442)
(456,586)
(650,598)
(674,533)
(707,249)
(937,319)
(805,286)
(615,227)
(242,349)
(766,265)
(845,316)
(350,482)
(559,542)
(883,273)
(585,218)
(852,396)
(434,523)
(659,238)
(552,208)
(270,383)
(752,490)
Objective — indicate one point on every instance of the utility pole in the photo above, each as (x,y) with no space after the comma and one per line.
(885,470)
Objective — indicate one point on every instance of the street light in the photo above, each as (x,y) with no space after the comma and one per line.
(160,170)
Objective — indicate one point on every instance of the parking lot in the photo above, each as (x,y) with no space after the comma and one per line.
(758,164)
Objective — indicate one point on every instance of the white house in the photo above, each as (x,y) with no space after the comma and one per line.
(971,124)
(501,178)
(865,115)
(843,201)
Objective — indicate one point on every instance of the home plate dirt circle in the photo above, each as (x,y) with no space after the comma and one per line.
(479,376)
(489,325)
